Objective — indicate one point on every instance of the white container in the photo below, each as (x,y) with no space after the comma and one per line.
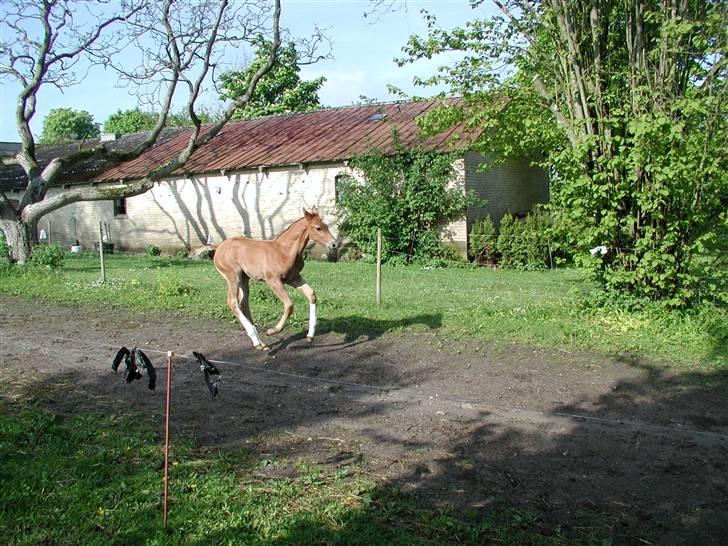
(76,249)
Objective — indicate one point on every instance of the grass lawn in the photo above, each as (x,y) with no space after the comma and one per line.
(547,308)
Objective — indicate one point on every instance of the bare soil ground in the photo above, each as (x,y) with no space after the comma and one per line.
(568,436)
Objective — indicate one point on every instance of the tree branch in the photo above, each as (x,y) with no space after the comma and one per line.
(34,212)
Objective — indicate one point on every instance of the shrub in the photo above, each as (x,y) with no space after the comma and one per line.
(525,243)
(483,242)
(409,195)
(50,256)
(152,250)
(431,252)
(4,248)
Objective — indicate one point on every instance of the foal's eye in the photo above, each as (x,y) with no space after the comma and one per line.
(318,229)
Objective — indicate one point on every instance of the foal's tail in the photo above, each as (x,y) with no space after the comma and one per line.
(202,252)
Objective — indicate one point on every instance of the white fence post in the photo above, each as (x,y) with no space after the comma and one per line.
(379,266)
(101,251)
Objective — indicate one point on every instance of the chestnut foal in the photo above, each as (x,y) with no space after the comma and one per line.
(276,262)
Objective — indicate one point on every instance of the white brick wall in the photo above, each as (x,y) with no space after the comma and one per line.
(182,214)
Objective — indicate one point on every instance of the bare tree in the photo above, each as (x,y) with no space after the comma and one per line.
(179,44)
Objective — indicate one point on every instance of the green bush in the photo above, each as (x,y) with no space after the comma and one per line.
(483,242)
(152,250)
(4,248)
(524,243)
(409,195)
(50,256)
(430,251)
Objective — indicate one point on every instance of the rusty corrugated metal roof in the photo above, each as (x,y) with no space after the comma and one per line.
(13,177)
(313,137)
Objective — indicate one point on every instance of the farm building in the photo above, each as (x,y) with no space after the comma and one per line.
(254,178)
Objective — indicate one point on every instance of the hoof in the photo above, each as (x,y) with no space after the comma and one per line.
(271,331)
(309,339)
(262,347)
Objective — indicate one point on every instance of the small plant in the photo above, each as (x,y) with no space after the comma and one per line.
(152,250)
(171,285)
(50,256)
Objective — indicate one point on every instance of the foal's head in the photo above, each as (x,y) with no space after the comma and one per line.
(317,231)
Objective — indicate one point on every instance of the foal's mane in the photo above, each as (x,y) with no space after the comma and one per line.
(290,226)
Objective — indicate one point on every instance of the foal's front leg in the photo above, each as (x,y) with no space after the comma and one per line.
(301,285)
(276,284)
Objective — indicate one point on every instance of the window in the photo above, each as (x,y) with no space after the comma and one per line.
(120,207)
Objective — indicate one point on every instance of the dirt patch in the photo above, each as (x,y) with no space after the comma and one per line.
(566,435)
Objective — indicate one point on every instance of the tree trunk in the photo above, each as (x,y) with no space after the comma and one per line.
(18,235)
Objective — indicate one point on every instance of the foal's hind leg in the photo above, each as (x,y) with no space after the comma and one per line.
(301,285)
(237,301)
(244,296)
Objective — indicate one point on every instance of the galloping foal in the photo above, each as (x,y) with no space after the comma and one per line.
(276,262)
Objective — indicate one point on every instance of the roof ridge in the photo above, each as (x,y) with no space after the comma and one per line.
(346,107)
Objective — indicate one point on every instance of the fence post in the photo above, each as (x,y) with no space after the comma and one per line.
(101,252)
(379,266)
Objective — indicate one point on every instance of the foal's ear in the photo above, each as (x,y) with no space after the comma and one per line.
(314,211)
(306,213)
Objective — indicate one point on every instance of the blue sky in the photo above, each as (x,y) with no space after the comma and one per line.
(363,59)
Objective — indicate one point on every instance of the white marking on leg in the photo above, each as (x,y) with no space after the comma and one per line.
(311,321)
(249,328)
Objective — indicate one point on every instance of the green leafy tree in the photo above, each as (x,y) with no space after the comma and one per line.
(625,102)
(409,195)
(66,124)
(134,120)
(183,119)
(130,121)
(280,91)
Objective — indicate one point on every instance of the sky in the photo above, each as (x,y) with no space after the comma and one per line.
(363,59)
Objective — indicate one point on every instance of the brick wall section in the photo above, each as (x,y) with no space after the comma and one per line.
(456,233)
(513,186)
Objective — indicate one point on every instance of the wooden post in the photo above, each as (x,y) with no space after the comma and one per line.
(170,354)
(101,252)
(379,266)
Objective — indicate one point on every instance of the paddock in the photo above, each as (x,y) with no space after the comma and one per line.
(463,426)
